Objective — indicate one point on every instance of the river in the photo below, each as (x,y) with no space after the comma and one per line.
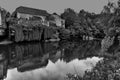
(48,61)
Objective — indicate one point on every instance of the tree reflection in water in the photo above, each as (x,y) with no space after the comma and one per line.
(106,69)
(30,56)
(109,68)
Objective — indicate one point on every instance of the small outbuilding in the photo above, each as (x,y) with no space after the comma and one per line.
(58,21)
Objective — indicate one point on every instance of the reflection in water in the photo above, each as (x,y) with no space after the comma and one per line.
(54,71)
(48,61)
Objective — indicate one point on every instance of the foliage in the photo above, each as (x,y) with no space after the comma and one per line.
(70,16)
(96,25)
(107,42)
(106,69)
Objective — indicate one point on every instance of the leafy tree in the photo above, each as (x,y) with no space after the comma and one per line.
(69,15)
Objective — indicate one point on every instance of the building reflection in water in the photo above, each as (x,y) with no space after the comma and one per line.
(48,61)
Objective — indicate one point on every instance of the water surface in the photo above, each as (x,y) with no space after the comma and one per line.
(47,61)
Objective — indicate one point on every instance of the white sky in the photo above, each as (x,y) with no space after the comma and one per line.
(57,6)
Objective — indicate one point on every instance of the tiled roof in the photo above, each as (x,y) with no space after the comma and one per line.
(32,11)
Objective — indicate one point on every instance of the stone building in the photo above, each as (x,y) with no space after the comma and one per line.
(30,13)
(3,17)
(3,21)
(58,21)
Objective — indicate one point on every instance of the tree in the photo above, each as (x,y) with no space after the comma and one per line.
(109,8)
(69,15)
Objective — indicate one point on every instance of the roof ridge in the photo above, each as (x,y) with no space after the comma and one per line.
(30,8)
(32,11)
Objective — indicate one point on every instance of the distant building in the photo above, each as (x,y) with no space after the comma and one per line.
(3,14)
(0,19)
(28,13)
(3,21)
(58,21)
